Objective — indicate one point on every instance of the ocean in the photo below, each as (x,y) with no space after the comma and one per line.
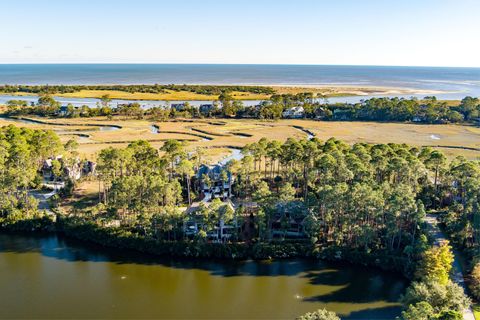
(455,82)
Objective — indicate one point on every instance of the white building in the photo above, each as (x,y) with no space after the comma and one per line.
(293,113)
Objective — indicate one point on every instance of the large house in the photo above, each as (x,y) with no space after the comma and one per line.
(74,171)
(294,113)
(221,231)
(214,181)
(289,220)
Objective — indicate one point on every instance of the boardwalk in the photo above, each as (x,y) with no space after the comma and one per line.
(457,274)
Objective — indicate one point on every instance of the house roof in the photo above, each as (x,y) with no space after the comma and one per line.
(295,208)
(197,206)
(212,170)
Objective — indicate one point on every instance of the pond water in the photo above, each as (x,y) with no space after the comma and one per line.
(235,154)
(108,128)
(49,276)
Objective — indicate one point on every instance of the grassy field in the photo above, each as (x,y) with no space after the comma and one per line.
(170,95)
(220,135)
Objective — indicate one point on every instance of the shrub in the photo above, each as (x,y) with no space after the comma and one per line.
(419,311)
(475,281)
(320,314)
(439,296)
(436,264)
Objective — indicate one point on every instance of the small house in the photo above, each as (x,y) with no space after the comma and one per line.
(294,113)
(63,112)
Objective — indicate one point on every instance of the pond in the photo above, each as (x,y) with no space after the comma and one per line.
(235,154)
(49,276)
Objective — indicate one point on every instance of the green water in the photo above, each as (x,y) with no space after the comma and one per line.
(53,277)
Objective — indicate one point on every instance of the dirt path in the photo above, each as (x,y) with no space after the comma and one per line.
(457,274)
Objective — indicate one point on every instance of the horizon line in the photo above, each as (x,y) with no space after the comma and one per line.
(236,64)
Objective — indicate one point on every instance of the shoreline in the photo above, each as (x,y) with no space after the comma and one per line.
(355,90)
(319,90)
(108,238)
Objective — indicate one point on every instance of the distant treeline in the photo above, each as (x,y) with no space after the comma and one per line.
(428,110)
(144,88)
(304,105)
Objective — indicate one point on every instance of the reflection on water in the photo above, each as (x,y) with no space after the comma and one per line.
(50,276)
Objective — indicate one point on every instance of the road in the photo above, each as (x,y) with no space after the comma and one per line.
(457,274)
(42,197)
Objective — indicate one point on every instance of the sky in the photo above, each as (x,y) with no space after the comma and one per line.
(348,32)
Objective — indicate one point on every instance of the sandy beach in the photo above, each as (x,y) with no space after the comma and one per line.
(346,90)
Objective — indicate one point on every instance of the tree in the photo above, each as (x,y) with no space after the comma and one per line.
(450,315)
(286,193)
(226,101)
(16,106)
(105,99)
(185,168)
(262,194)
(436,264)
(47,105)
(320,314)
(469,107)
(419,311)
(56,169)
(174,150)
(441,297)
(475,281)
(71,145)
(22,152)
(436,161)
